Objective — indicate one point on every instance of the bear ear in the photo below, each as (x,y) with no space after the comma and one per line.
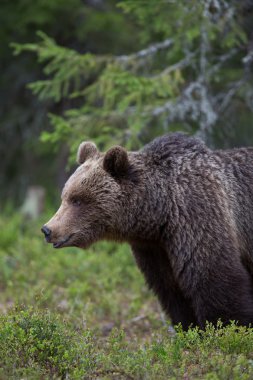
(116,161)
(86,150)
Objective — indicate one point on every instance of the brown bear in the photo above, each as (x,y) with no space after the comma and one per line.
(185,210)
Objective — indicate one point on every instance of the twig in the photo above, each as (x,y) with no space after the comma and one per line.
(111,372)
(230,94)
(137,319)
(151,50)
(222,59)
(179,65)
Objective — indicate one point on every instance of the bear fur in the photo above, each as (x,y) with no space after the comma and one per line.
(185,210)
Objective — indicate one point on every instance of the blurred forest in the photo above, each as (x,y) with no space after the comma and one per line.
(115,72)
(118,72)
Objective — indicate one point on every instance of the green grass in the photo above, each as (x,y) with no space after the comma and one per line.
(72,314)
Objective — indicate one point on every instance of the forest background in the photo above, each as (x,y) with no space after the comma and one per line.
(114,72)
(117,72)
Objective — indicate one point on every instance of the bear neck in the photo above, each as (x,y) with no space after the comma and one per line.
(145,217)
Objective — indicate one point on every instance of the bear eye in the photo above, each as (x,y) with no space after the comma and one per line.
(76,202)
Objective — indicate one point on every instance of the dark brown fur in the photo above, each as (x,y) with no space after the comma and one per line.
(187,213)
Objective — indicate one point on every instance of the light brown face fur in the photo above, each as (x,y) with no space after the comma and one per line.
(91,200)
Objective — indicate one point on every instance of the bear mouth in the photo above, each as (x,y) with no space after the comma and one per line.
(63,242)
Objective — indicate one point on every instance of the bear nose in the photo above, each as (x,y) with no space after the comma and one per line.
(46,231)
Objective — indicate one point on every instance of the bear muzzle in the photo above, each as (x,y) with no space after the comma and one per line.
(63,242)
(47,232)
(50,239)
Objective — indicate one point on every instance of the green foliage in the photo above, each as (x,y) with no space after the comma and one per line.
(77,26)
(38,344)
(175,82)
(66,280)
(118,72)
(65,65)
(75,314)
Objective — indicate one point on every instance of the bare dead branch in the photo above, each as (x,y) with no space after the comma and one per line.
(230,94)
(177,66)
(221,60)
(150,50)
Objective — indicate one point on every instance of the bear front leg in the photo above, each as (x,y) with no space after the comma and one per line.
(223,292)
(155,265)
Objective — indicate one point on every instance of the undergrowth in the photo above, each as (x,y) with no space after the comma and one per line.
(72,314)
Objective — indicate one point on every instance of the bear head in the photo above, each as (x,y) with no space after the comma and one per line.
(98,200)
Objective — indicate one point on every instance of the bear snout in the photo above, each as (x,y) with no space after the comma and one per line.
(47,232)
